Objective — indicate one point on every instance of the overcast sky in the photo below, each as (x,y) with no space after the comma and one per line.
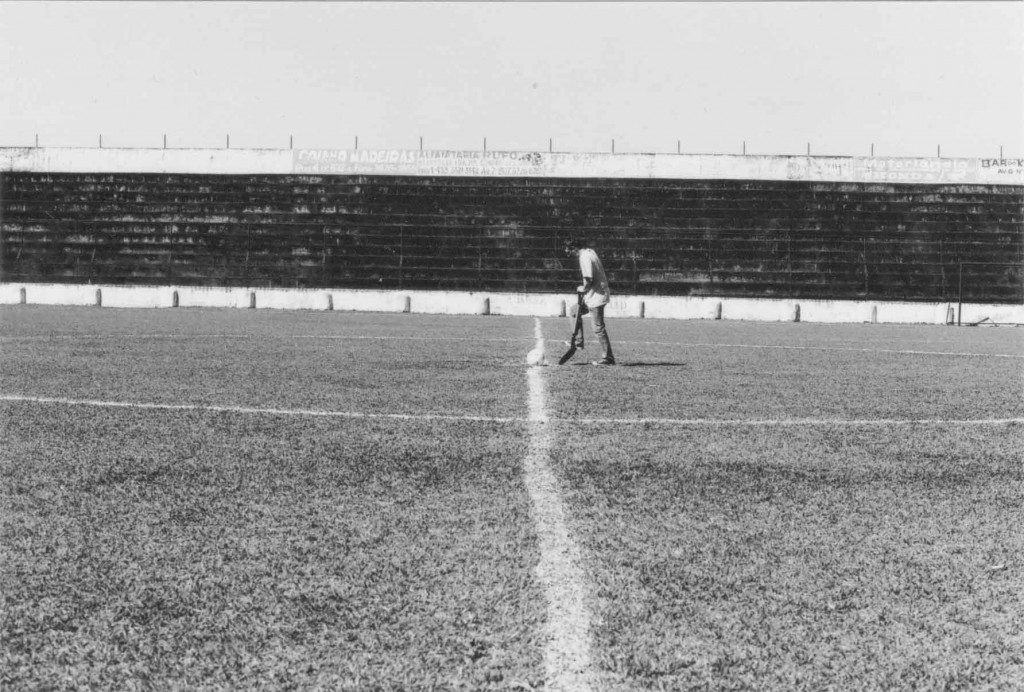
(905,76)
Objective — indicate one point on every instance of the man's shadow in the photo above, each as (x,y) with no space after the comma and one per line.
(652,364)
(638,364)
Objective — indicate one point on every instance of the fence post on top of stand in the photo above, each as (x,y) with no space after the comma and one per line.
(959,293)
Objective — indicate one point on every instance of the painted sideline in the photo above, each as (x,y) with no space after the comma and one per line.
(690,422)
(898,351)
(260,411)
(567,662)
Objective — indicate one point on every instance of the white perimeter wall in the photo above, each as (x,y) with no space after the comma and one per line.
(854,169)
(523,304)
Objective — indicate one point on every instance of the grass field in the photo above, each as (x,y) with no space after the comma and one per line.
(234,498)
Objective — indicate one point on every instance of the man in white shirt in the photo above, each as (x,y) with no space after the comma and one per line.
(596,294)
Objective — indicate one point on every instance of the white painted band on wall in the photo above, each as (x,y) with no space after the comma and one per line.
(520,304)
(530,164)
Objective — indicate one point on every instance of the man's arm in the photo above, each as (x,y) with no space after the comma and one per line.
(586,269)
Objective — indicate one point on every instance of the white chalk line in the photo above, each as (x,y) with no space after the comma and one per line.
(681,422)
(327,337)
(259,411)
(897,351)
(784,422)
(567,661)
(389,337)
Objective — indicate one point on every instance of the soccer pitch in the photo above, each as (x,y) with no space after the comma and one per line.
(231,498)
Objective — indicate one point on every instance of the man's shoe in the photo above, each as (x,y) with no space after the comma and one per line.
(603,361)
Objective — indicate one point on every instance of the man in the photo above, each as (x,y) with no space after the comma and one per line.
(596,294)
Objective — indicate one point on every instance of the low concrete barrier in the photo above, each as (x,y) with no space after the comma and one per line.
(56,294)
(11,294)
(839,310)
(447,302)
(361,300)
(1000,314)
(205,297)
(684,308)
(293,299)
(527,304)
(912,313)
(520,304)
(129,296)
(626,306)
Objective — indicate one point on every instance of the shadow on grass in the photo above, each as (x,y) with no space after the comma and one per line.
(655,364)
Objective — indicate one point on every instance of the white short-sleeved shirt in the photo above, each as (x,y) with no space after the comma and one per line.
(590,266)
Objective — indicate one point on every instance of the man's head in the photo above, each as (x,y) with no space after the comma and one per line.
(574,244)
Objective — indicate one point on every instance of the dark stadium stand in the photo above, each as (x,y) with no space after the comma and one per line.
(656,237)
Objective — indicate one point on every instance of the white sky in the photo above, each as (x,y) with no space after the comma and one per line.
(905,76)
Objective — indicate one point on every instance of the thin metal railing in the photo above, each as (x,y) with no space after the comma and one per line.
(742,148)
